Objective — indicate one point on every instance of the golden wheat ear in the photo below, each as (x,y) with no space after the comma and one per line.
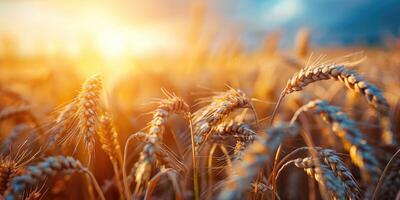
(89,109)
(220,107)
(153,151)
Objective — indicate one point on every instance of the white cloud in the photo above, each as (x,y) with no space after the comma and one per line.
(283,11)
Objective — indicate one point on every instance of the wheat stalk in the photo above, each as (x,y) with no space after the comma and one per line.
(239,131)
(255,156)
(389,183)
(362,154)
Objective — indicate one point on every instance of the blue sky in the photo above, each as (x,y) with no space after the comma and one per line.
(331,22)
(341,22)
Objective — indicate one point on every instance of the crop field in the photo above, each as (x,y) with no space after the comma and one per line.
(208,120)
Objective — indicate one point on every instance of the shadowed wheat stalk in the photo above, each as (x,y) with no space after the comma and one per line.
(240,132)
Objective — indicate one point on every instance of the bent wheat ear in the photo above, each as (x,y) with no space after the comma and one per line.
(362,154)
(244,171)
(172,104)
(353,81)
(151,151)
(332,160)
(324,176)
(49,167)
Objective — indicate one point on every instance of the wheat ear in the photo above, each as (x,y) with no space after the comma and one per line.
(108,137)
(219,109)
(353,81)
(350,77)
(89,110)
(49,167)
(324,175)
(151,151)
(63,123)
(362,154)
(331,159)
(255,156)
(233,129)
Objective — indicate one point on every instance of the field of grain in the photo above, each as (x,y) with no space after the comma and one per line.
(206,122)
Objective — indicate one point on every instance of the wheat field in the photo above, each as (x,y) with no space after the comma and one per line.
(205,123)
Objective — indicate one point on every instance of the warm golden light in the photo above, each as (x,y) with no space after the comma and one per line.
(53,28)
